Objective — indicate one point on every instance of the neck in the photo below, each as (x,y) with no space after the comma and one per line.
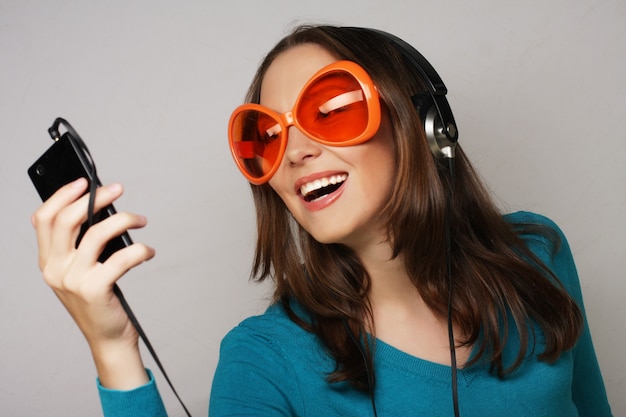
(390,282)
(400,316)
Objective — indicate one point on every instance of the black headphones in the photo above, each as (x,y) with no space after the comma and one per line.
(439,125)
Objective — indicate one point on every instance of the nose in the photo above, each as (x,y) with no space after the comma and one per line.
(300,148)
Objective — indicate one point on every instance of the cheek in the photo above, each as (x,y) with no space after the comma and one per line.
(284,192)
(281,195)
(381,165)
(278,183)
(382,153)
(382,172)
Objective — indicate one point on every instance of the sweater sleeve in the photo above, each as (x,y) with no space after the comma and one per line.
(143,401)
(588,391)
(250,377)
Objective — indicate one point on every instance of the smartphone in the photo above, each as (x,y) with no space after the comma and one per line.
(65,161)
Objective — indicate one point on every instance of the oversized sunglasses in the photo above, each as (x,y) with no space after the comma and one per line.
(338,106)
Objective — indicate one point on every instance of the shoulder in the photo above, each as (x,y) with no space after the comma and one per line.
(271,327)
(540,233)
(271,337)
(548,243)
(265,363)
(528,217)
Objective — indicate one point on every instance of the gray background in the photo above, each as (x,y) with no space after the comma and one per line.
(537,88)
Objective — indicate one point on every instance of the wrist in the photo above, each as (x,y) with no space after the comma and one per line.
(119,367)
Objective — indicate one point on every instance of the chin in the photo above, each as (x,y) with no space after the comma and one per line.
(327,237)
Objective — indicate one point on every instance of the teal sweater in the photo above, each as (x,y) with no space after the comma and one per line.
(269,366)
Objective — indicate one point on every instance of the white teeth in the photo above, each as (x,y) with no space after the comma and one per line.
(322,182)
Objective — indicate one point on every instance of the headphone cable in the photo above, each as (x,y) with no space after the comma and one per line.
(448,243)
(368,372)
(93,184)
(453,364)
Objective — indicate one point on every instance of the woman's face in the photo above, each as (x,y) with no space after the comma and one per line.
(350,184)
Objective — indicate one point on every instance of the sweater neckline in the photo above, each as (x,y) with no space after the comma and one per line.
(388,356)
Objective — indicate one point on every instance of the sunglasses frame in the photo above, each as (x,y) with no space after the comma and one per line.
(290,118)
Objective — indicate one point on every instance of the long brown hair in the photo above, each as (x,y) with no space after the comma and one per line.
(496,277)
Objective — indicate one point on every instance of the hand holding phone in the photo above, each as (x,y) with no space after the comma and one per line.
(65,161)
(68,159)
(86,287)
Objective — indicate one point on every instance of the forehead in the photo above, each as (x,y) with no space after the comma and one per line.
(290,70)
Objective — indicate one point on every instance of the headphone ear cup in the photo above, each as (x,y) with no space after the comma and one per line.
(440,145)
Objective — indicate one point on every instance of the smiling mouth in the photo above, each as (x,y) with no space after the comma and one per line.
(323,186)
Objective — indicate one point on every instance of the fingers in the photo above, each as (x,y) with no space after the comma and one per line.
(58,220)
(67,223)
(57,223)
(92,282)
(84,285)
(128,258)
(44,217)
(98,235)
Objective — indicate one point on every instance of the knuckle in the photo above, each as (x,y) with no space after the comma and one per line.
(51,277)
(40,217)
(42,263)
(92,238)
(66,219)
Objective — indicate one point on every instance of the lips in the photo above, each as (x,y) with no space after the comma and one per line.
(322,186)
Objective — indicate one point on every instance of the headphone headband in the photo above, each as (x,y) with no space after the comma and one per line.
(441,129)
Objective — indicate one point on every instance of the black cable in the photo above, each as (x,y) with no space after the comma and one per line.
(448,243)
(142,335)
(93,184)
(368,372)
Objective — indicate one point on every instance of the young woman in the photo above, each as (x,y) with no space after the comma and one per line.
(399,288)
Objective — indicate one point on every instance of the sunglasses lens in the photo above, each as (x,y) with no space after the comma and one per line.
(333,108)
(255,141)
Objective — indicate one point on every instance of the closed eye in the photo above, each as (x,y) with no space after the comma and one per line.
(272,132)
(341,101)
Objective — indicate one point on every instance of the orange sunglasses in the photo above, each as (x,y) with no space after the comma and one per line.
(338,106)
